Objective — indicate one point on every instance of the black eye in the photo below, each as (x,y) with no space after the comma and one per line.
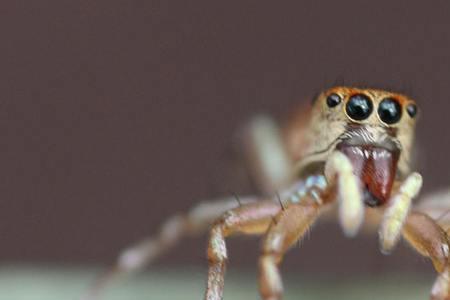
(333,100)
(359,107)
(390,111)
(412,110)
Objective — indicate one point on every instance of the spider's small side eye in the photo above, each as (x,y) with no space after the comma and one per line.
(412,110)
(390,111)
(359,107)
(333,100)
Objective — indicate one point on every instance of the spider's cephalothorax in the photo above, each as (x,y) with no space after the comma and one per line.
(351,151)
(373,128)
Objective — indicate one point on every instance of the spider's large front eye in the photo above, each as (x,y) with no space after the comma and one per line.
(359,107)
(390,111)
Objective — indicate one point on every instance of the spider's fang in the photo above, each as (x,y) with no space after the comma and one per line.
(376,168)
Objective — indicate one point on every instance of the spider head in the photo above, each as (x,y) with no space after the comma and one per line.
(373,128)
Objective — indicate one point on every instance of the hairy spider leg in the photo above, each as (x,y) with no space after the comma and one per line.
(289,227)
(430,240)
(248,219)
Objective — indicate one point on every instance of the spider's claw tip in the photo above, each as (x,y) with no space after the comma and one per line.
(386,249)
(388,240)
(351,219)
(350,229)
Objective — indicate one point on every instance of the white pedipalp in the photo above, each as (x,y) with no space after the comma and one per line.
(339,172)
(397,212)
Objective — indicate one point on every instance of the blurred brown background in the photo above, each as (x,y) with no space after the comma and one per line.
(115,114)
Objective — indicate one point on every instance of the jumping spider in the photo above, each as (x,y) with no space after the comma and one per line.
(351,151)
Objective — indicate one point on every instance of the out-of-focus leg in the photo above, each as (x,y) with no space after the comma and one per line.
(437,206)
(397,211)
(143,253)
(267,159)
(430,240)
(288,227)
(441,287)
(249,219)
